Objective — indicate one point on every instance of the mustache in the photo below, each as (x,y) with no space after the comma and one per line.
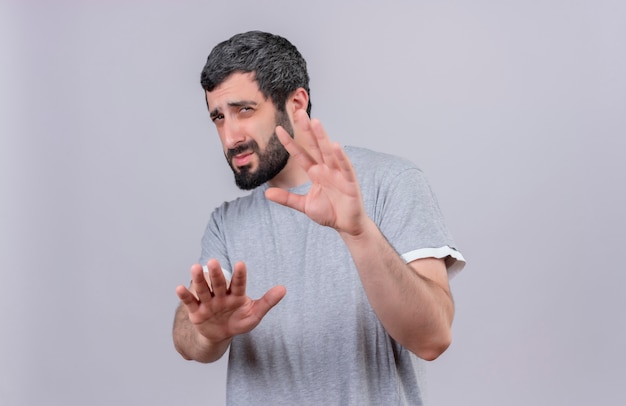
(248,146)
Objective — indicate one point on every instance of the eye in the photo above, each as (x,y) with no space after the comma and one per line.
(217,117)
(246,111)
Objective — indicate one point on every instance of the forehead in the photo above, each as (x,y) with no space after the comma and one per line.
(238,86)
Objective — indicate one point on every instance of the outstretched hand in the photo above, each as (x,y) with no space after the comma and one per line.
(334,199)
(219,311)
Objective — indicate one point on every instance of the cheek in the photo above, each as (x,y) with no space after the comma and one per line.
(267,132)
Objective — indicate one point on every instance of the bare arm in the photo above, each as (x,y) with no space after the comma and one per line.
(412,301)
(209,317)
(191,344)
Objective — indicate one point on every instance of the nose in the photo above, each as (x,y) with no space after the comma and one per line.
(232,134)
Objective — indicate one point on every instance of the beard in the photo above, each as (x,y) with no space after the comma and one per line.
(272,159)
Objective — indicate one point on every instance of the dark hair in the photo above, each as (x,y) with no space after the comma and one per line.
(278,67)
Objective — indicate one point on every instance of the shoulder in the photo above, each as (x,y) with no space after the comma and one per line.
(363,156)
(373,165)
(241,206)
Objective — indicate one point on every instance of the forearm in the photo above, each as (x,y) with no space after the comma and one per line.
(415,310)
(191,344)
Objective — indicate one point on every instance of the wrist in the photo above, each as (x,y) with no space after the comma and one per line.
(207,342)
(208,350)
(360,231)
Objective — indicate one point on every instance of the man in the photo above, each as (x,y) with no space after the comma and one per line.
(338,259)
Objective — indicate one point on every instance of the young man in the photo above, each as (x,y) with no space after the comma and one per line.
(338,259)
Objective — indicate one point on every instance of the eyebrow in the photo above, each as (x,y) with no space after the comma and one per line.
(240,103)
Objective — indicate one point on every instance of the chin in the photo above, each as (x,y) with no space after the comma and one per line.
(246,169)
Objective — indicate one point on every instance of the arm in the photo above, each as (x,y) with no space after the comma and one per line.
(190,343)
(209,317)
(413,301)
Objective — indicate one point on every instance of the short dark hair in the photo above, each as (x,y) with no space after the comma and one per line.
(279,68)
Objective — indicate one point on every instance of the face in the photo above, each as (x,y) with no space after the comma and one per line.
(246,123)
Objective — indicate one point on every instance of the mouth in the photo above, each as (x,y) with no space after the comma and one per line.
(242,159)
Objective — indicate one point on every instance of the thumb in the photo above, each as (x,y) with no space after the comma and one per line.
(281,196)
(269,300)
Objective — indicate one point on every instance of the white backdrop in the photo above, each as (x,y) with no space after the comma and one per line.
(110,168)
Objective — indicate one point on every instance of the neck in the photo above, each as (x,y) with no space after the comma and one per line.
(291,176)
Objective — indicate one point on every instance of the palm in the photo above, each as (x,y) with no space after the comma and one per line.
(233,316)
(220,311)
(334,199)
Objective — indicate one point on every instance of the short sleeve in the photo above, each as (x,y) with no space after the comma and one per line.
(410,218)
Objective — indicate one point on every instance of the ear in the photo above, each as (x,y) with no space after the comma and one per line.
(299,100)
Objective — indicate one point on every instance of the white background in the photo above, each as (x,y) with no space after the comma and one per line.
(110,167)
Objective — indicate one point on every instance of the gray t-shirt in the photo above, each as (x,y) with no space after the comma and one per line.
(323,344)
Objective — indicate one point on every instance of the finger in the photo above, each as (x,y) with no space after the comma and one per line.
(299,154)
(216,276)
(305,135)
(281,196)
(344,163)
(187,298)
(324,144)
(238,281)
(199,284)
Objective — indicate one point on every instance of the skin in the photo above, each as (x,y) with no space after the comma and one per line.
(412,301)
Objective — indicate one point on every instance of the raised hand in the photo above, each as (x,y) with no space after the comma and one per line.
(219,311)
(334,199)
